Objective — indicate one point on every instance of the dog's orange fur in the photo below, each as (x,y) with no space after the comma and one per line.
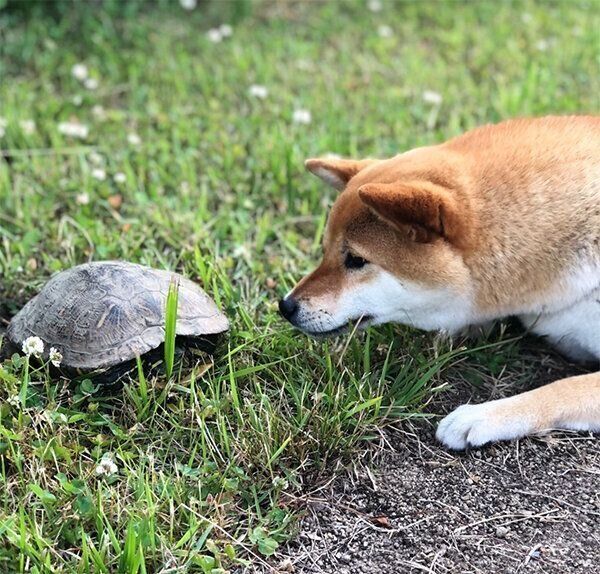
(504,213)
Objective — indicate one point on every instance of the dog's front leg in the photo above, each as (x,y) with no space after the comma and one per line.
(572,403)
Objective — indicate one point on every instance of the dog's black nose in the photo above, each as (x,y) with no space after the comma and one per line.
(288,307)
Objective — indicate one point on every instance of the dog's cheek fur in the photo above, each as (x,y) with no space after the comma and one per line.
(430,265)
(382,297)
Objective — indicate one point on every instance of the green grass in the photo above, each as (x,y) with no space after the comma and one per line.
(171,326)
(210,460)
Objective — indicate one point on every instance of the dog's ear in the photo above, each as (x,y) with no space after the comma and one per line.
(428,210)
(336,172)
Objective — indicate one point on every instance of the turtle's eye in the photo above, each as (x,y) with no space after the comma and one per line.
(354,261)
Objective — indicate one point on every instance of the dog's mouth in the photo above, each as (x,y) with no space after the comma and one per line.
(361,322)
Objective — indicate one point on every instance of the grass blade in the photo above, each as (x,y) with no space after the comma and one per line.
(171,326)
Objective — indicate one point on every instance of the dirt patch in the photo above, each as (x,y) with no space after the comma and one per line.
(527,506)
(530,506)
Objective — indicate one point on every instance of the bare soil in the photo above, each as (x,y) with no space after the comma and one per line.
(529,506)
(526,506)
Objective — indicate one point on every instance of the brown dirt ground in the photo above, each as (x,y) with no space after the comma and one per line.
(529,506)
(411,506)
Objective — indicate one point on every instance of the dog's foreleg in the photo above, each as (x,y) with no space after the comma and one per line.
(572,403)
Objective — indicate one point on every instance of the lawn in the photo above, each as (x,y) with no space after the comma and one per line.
(151,133)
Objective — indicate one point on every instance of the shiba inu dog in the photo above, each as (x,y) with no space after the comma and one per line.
(503,220)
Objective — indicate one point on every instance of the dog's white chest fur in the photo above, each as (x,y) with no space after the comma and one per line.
(570,316)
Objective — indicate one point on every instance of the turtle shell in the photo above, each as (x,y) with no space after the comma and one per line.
(101,314)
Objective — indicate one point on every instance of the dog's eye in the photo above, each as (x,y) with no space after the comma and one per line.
(354,261)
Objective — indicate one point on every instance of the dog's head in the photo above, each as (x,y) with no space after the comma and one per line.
(392,250)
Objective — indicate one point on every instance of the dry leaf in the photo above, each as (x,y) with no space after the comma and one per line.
(115,201)
(382,521)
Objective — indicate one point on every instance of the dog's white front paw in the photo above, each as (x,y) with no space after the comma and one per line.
(475,425)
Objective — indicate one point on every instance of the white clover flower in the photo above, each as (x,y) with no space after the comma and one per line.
(385,31)
(226,30)
(91,83)
(119,177)
(82,198)
(241,251)
(98,112)
(74,130)
(188,4)
(134,139)
(33,346)
(280,482)
(99,174)
(542,45)
(305,65)
(55,357)
(431,97)
(27,126)
(301,116)
(14,400)
(96,158)
(258,91)
(214,35)
(106,466)
(79,72)
(375,5)
(77,100)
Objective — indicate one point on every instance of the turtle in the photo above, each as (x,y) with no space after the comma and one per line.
(101,316)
